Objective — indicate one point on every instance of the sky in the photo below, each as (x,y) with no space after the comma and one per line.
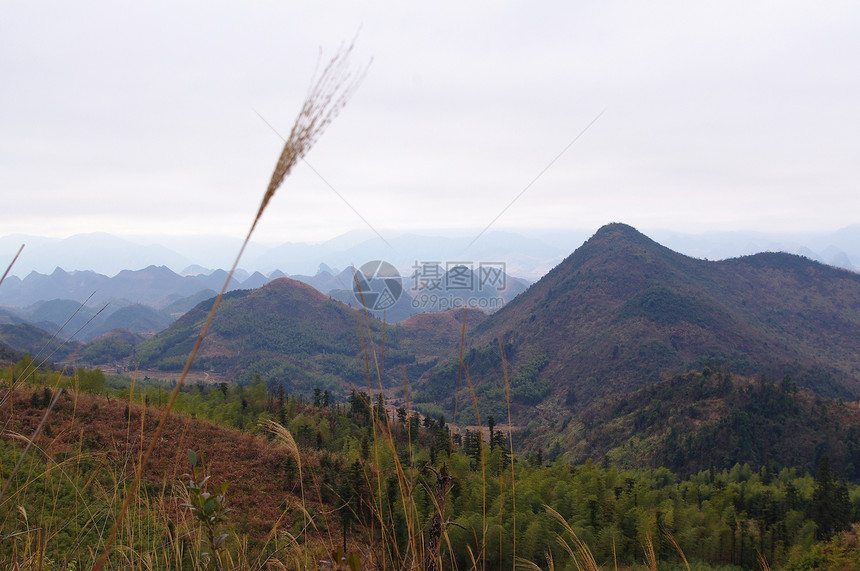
(145,118)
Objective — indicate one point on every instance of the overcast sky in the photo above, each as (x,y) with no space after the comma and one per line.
(139,118)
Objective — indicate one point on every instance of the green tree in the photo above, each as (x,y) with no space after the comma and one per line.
(831,507)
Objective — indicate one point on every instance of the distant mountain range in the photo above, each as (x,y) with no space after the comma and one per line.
(156,286)
(86,304)
(527,253)
(109,255)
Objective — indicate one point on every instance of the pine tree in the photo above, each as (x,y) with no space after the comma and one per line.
(831,506)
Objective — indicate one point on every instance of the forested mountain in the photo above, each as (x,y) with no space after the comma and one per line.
(287,332)
(622,310)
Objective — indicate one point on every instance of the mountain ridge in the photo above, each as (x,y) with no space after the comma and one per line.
(622,310)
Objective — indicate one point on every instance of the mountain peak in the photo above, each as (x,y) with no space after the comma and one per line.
(292,287)
(623,309)
(617,231)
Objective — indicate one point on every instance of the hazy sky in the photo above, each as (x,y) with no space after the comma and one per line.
(139,118)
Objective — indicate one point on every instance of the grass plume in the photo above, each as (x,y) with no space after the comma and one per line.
(327,96)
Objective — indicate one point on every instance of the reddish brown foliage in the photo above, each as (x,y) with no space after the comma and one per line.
(260,490)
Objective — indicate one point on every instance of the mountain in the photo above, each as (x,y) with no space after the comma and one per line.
(35,287)
(8,355)
(12,315)
(622,311)
(476,286)
(286,332)
(195,270)
(254,281)
(840,248)
(529,253)
(66,317)
(427,338)
(110,348)
(289,332)
(41,345)
(402,309)
(177,308)
(433,288)
(135,318)
(325,280)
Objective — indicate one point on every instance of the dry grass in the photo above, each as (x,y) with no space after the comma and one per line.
(326,98)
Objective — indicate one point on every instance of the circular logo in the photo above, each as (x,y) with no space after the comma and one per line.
(377,285)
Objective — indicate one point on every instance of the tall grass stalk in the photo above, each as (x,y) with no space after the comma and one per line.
(511,444)
(650,554)
(405,485)
(579,553)
(374,415)
(285,436)
(12,263)
(327,96)
(459,371)
(680,551)
(483,552)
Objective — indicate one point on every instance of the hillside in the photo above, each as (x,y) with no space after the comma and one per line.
(286,331)
(26,338)
(356,492)
(709,420)
(622,310)
(136,318)
(112,347)
(8,355)
(105,431)
(427,338)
